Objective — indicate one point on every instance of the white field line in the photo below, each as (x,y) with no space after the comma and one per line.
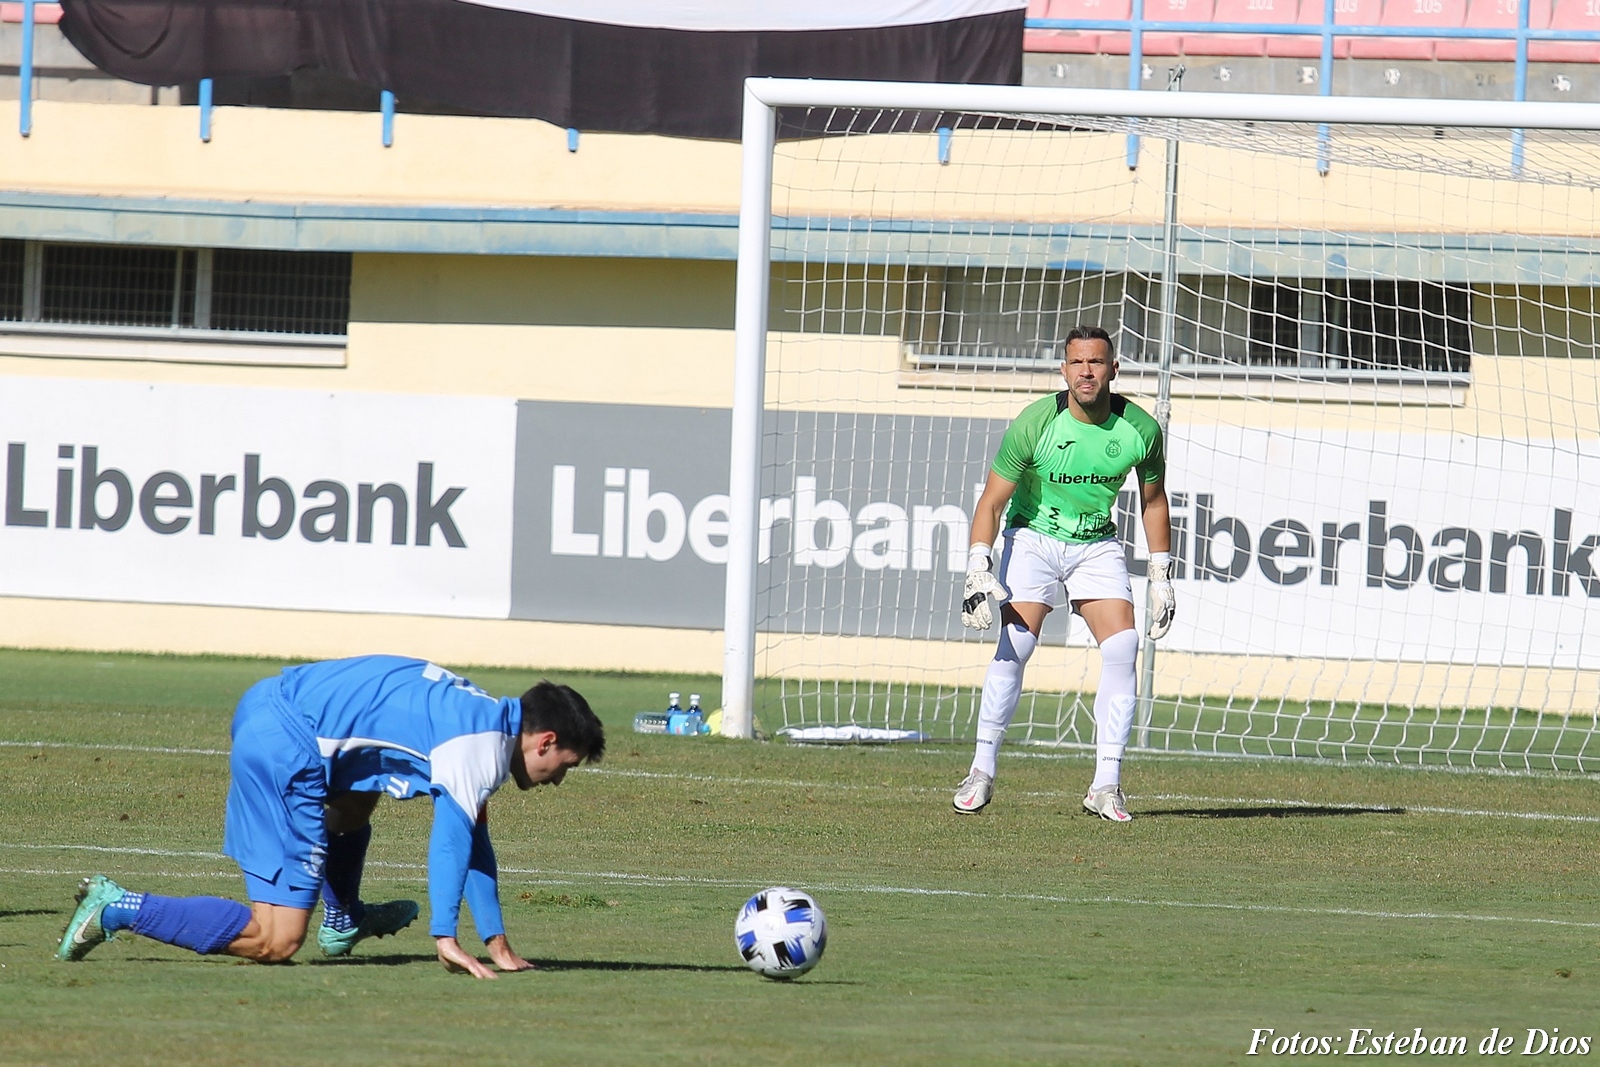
(116,748)
(1061,752)
(791,783)
(545,876)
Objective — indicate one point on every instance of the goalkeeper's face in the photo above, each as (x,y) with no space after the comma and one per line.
(1088,369)
(540,760)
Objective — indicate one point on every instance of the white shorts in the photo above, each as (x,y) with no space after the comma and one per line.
(1034,568)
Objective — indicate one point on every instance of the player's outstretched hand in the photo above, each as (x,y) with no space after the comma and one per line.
(502,955)
(1163,601)
(981,584)
(457,961)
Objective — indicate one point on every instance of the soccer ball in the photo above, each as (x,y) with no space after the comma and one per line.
(780,932)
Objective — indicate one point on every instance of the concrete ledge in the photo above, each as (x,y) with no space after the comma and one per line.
(367,228)
(170,346)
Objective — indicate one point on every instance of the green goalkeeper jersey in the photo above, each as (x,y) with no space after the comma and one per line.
(1068,472)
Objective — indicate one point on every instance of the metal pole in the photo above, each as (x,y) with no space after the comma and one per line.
(205,110)
(749,382)
(1169,315)
(1325,83)
(25,69)
(386,107)
(1519,137)
(1135,73)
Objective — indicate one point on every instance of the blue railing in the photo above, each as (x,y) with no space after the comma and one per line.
(1136,27)
(1327,30)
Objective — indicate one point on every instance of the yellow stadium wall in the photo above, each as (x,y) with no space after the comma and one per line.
(635,330)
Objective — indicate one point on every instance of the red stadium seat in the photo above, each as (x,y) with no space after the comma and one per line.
(1235,44)
(1171,44)
(1429,13)
(1568,15)
(42,13)
(1090,9)
(1347,12)
(1310,14)
(1073,41)
(1493,14)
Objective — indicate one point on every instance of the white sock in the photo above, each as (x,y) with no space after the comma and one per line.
(1113,706)
(1002,685)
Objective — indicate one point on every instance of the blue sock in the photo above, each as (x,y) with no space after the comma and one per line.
(341,879)
(120,913)
(205,924)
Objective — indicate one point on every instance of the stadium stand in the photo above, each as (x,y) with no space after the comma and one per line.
(1309,13)
(1430,14)
(1568,15)
(1073,41)
(1444,15)
(1171,44)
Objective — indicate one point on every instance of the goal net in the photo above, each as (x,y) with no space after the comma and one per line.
(1369,326)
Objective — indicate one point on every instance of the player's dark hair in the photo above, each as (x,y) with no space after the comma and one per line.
(561,710)
(1090,333)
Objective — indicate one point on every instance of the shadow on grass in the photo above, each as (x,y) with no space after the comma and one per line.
(1266,811)
(633,965)
(31,911)
(402,959)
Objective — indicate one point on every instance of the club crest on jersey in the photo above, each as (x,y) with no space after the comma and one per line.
(1113,448)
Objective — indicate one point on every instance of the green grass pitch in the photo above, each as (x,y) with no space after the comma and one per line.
(1305,898)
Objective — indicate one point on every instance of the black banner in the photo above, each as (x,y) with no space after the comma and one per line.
(585,74)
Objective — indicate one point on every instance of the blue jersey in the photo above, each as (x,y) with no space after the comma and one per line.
(409,728)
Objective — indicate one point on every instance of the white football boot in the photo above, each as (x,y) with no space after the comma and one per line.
(972,796)
(1108,803)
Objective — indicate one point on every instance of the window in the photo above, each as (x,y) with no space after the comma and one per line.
(1327,324)
(106,285)
(980,316)
(140,288)
(284,292)
(1402,325)
(11,255)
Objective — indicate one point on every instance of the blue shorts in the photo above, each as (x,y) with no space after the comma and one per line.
(276,829)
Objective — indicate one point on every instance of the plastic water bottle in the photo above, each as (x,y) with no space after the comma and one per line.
(650,722)
(696,717)
(679,722)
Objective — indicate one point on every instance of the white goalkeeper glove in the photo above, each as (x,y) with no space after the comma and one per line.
(981,584)
(1163,601)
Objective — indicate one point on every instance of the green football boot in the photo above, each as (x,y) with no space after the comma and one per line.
(381,920)
(83,929)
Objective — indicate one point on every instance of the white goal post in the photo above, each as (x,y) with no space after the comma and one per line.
(1361,308)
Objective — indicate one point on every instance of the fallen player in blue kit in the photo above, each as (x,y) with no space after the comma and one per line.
(313,749)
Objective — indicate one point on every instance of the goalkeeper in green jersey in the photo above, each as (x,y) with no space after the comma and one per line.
(1060,467)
